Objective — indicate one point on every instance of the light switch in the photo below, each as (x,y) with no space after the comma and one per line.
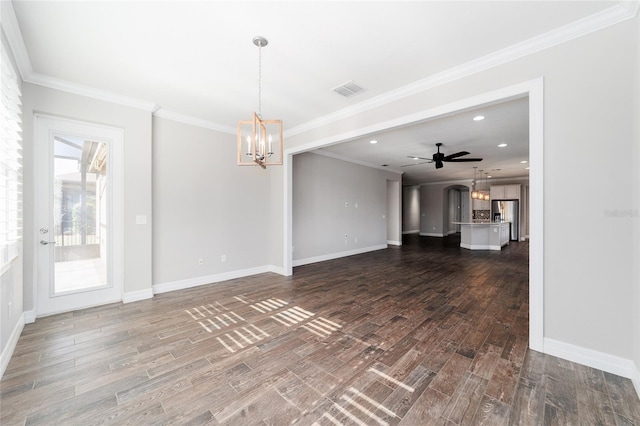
(141,219)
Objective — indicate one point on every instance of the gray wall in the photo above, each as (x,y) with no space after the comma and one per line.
(410,209)
(394,211)
(332,198)
(137,177)
(205,206)
(591,273)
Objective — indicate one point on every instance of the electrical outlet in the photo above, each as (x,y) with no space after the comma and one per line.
(223,258)
(10,304)
(200,261)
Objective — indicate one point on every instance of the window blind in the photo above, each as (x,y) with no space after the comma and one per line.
(10,162)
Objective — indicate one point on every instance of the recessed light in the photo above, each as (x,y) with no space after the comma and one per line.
(478,118)
(489,176)
(373,142)
(527,168)
(415,158)
(524,162)
(502,145)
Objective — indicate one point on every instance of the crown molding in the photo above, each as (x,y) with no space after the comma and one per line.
(360,163)
(11,30)
(90,92)
(611,16)
(470,181)
(462,182)
(198,122)
(584,26)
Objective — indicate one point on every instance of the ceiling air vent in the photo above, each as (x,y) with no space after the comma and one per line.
(348,89)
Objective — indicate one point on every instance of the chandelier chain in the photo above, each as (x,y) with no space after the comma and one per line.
(260,80)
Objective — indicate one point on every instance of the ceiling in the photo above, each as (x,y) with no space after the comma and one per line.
(196,59)
(503,123)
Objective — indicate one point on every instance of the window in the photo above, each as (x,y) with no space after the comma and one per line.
(10,163)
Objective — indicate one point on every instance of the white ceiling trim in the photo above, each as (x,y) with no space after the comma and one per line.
(198,122)
(90,92)
(463,182)
(470,181)
(360,163)
(14,37)
(595,22)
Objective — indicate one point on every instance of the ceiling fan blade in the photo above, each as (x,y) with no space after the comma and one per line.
(416,164)
(420,158)
(456,155)
(463,160)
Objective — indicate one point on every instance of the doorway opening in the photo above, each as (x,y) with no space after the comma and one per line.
(533,91)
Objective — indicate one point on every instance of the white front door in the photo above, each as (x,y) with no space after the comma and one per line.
(78,214)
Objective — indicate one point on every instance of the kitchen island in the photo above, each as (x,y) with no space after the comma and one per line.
(484,235)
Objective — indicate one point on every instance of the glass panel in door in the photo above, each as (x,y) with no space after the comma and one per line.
(79,214)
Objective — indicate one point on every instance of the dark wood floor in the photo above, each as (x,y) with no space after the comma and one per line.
(422,334)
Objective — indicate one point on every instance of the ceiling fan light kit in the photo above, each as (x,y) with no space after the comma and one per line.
(259,140)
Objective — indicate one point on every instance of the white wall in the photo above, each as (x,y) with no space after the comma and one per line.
(205,206)
(332,198)
(137,178)
(589,114)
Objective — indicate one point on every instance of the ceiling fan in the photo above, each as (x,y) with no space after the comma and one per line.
(439,158)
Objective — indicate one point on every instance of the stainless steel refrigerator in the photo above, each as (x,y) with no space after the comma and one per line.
(507,211)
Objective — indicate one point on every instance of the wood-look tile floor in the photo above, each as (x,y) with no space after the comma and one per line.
(422,334)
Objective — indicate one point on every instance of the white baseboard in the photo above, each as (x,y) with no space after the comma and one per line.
(331,256)
(431,234)
(134,296)
(394,243)
(29,316)
(7,353)
(277,270)
(414,231)
(595,359)
(210,279)
(480,246)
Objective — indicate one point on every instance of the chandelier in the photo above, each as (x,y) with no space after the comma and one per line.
(480,195)
(475,194)
(259,140)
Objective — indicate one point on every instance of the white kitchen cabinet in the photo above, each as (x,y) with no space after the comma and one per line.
(505,192)
(512,192)
(481,205)
(497,192)
(505,228)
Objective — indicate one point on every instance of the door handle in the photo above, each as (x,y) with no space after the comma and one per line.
(44,242)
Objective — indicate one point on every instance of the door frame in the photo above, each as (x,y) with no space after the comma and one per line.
(534,90)
(44,126)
